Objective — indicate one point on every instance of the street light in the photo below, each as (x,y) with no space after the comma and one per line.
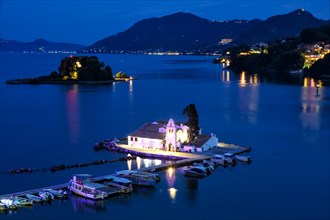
(317,89)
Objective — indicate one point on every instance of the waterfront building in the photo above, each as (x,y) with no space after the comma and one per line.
(169,136)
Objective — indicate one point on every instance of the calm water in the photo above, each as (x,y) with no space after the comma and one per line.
(287,126)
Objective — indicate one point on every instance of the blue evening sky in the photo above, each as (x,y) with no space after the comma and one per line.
(86,21)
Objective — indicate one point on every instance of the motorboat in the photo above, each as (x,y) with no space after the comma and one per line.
(60,194)
(81,184)
(209,167)
(19,201)
(243,158)
(47,196)
(34,198)
(195,171)
(122,184)
(9,204)
(219,161)
(137,177)
(2,207)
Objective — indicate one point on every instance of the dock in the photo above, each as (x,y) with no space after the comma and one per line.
(184,159)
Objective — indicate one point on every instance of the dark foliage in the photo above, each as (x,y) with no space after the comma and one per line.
(192,121)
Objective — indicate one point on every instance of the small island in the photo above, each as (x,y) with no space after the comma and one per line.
(77,70)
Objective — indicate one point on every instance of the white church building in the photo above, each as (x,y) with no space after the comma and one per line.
(169,137)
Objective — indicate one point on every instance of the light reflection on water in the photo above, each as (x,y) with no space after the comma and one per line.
(81,204)
(139,162)
(73,114)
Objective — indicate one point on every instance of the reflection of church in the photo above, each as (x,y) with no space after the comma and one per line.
(170,137)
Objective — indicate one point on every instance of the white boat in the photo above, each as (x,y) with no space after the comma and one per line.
(34,198)
(2,207)
(9,204)
(195,171)
(138,178)
(81,184)
(19,201)
(46,196)
(122,184)
(208,168)
(60,194)
(243,158)
(219,161)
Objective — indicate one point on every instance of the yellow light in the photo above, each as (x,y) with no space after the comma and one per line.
(172,192)
(170,172)
(138,162)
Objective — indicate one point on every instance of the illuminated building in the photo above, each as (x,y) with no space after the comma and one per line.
(169,136)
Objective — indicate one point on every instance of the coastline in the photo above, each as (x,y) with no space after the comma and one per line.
(36,81)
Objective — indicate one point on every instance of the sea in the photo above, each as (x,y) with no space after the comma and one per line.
(286,122)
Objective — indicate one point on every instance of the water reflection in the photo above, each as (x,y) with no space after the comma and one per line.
(81,204)
(253,79)
(172,193)
(249,100)
(139,163)
(192,189)
(73,113)
(242,79)
(225,75)
(310,108)
(170,176)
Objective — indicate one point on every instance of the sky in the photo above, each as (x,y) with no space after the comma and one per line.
(87,21)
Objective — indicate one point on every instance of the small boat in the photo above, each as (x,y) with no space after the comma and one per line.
(9,204)
(219,161)
(195,171)
(243,158)
(19,201)
(138,178)
(228,157)
(2,207)
(208,169)
(60,194)
(122,184)
(34,198)
(82,184)
(46,196)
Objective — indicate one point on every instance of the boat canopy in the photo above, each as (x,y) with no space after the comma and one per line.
(117,179)
(94,185)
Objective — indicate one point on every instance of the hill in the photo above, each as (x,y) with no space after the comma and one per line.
(185,32)
(280,26)
(176,32)
(40,45)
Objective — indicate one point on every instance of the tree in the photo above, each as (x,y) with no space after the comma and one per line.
(192,121)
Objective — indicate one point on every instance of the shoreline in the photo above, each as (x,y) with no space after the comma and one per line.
(36,81)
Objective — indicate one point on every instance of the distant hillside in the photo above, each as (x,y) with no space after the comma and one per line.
(175,32)
(280,26)
(186,32)
(39,45)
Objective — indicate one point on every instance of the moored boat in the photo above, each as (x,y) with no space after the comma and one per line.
(195,171)
(34,198)
(243,158)
(9,204)
(2,207)
(138,178)
(46,196)
(122,184)
(60,194)
(19,201)
(81,184)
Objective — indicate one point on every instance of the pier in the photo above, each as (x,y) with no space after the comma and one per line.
(183,159)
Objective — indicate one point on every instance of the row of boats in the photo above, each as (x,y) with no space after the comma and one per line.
(205,167)
(84,185)
(121,182)
(13,202)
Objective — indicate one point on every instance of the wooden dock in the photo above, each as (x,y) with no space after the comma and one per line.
(190,159)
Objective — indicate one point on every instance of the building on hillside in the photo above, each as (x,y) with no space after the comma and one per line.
(169,136)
